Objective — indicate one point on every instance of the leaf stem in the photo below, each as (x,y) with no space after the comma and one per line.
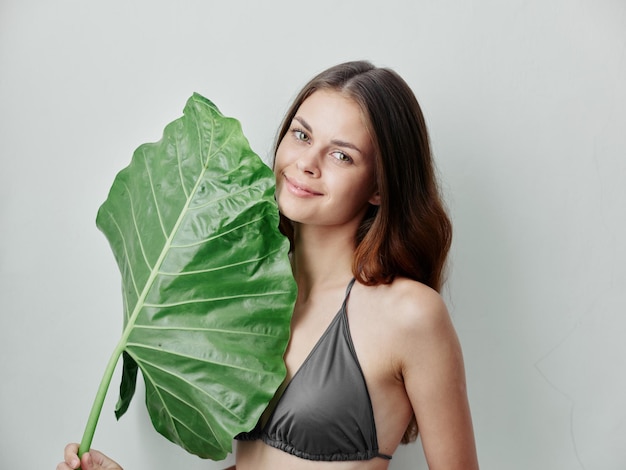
(96,408)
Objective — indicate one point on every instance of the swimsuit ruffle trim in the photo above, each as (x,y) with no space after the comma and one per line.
(366,455)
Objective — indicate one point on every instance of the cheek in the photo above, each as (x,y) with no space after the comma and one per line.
(278,164)
(281,154)
(278,168)
(282,160)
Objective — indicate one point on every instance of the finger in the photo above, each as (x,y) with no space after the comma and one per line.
(87,462)
(100,461)
(93,460)
(71,456)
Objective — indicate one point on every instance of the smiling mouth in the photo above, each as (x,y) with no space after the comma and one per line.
(298,189)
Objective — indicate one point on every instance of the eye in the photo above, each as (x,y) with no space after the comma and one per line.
(299,134)
(341,156)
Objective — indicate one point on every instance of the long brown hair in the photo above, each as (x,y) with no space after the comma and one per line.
(409,234)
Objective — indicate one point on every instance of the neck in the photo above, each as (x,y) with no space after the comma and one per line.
(322,258)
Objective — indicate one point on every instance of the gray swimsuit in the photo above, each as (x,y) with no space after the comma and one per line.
(325,412)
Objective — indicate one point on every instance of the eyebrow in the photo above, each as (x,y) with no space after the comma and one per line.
(340,143)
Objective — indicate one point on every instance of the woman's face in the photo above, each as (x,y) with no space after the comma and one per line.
(325,163)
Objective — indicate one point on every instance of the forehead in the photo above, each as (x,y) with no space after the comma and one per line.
(336,114)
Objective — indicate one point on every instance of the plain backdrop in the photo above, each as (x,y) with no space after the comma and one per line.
(526,105)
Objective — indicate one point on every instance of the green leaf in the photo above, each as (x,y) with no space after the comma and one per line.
(207,285)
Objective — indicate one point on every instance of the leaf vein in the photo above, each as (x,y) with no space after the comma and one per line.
(195,329)
(218,235)
(190,384)
(193,358)
(154,197)
(191,430)
(218,268)
(226,196)
(134,217)
(180,171)
(213,299)
(126,256)
(227,138)
(148,377)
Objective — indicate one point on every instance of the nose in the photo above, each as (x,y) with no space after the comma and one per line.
(308,163)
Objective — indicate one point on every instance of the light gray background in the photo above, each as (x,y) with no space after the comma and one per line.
(526,103)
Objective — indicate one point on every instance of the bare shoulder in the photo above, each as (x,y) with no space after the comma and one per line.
(427,363)
(414,306)
(417,325)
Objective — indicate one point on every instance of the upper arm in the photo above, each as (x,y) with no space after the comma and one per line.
(434,378)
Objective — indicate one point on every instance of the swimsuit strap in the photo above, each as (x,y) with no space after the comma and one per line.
(349,288)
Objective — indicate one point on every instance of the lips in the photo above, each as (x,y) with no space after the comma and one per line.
(300,189)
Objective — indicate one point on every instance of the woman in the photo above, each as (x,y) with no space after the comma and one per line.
(375,352)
